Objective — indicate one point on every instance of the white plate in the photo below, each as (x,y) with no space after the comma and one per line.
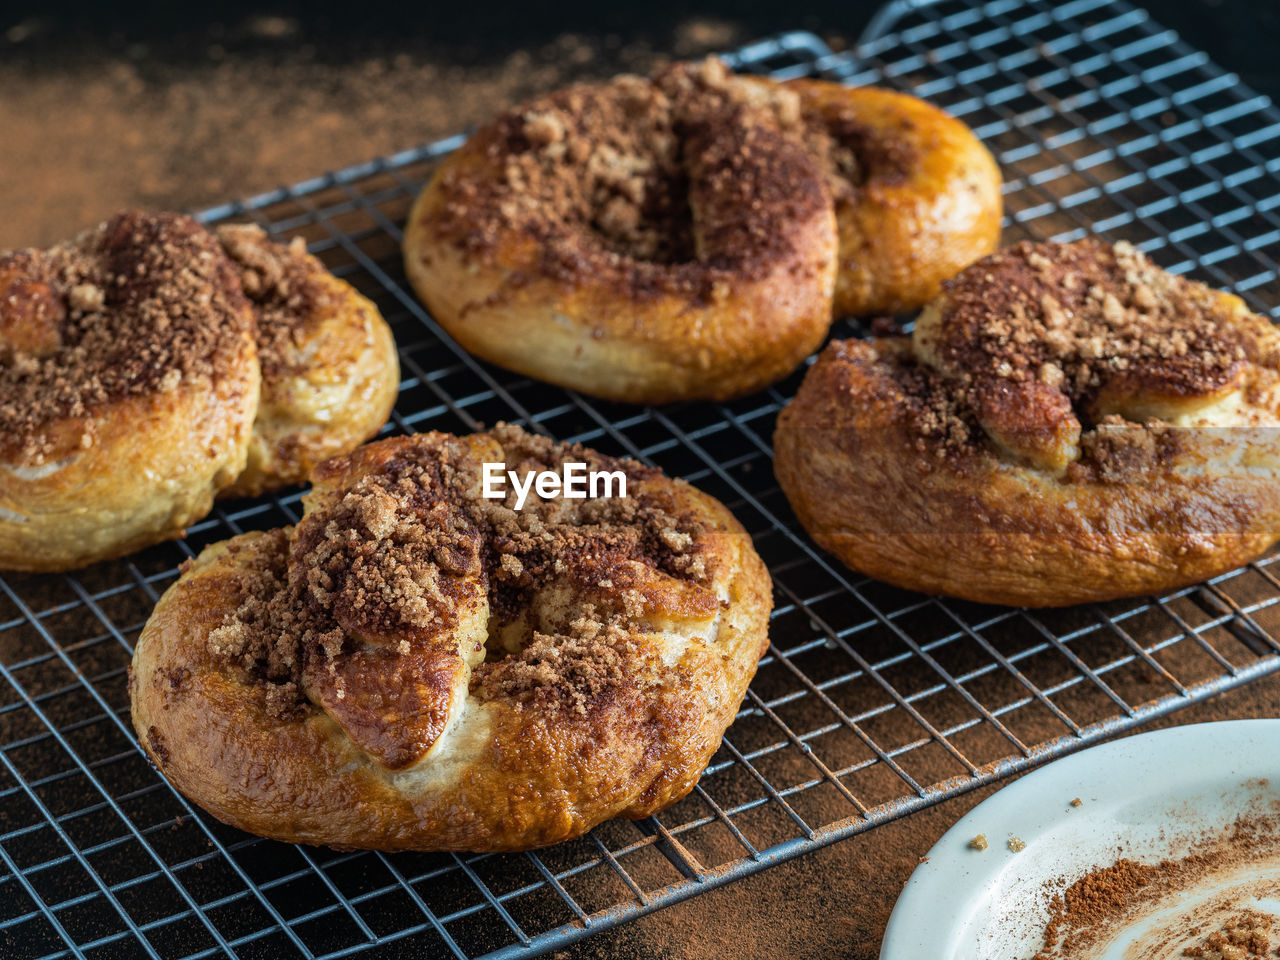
(1144,797)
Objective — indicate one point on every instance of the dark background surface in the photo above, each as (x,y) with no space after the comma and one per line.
(1242,35)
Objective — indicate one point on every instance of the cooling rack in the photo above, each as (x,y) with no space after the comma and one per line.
(872,702)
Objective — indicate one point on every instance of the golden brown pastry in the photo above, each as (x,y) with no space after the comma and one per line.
(638,240)
(418,667)
(1067,423)
(330,374)
(138,381)
(672,238)
(917,195)
(128,388)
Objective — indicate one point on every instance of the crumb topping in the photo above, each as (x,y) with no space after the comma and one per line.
(281,280)
(142,304)
(1246,936)
(567,672)
(1068,355)
(677,181)
(393,559)
(1079,316)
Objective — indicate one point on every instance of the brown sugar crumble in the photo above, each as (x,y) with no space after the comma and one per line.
(141,304)
(607,176)
(1073,316)
(396,557)
(1246,936)
(281,280)
(1041,342)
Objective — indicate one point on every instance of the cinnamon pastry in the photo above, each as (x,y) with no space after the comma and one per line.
(137,382)
(128,386)
(678,237)
(1067,423)
(330,374)
(638,240)
(917,195)
(415,666)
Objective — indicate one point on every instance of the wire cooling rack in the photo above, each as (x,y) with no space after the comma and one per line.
(872,702)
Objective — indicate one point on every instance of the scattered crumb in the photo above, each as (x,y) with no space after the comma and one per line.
(1017,845)
(979,842)
(1243,937)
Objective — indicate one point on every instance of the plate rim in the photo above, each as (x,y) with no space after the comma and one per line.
(921,891)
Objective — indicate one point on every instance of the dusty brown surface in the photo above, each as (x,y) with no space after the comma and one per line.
(84,140)
(833,903)
(110,133)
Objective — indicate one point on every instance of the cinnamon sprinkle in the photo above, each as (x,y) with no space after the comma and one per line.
(142,304)
(611,177)
(397,556)
(1099,903)
(1041,339)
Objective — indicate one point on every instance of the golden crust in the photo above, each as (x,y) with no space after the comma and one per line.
(905,472)
(137,382)
(728,303)
(554,242)
(99,464)
(917,194)
(154,469)
(330,373)
(521,759)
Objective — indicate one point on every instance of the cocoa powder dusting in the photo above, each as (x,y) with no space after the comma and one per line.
(1097,905)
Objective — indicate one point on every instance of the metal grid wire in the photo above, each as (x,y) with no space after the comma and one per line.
(872,702)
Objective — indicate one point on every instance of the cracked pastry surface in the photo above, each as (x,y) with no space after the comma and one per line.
(148,366)
(416,667)
(1066,423)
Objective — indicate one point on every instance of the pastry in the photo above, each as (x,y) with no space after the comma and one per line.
(639,240)
(128,387)
(144,371)
(1067,423)
(417,666)
(330,374)
(688,236)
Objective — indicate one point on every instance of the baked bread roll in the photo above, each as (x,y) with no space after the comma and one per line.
(917,195)
(138,381)
(330,374)
(638,240)
(417,667)
(128,389)
(1067,423)
(678,238)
